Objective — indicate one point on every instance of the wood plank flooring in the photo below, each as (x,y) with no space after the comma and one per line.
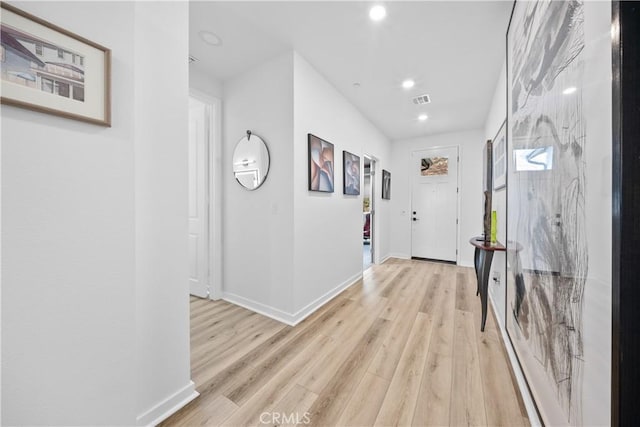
(401,347)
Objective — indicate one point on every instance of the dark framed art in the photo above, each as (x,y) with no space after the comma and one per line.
(350,174)
(386,185)
(559,206)
(48,69)
(321,164)
(500,158)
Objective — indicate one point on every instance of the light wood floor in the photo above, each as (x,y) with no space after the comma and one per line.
(401,347)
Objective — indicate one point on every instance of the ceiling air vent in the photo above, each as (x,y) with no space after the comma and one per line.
(422,99)
(192,59)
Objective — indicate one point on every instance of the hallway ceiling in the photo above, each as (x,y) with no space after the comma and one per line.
(453,51)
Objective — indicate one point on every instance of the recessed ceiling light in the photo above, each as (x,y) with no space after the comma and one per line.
(210,38)
(377,13)
(569,90)
(423,117)
(408,84)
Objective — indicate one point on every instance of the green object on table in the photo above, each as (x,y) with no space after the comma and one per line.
(494,226)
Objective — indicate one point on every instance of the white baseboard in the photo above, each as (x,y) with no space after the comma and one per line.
(527,399)
(398,256)
(307,310)
(290,319)
(384,259)
(258,307)
(169,406)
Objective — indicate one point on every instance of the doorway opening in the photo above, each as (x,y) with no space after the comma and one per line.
(205,261)
(434,204)
(368,213)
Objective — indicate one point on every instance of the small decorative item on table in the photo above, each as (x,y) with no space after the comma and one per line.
(494,226)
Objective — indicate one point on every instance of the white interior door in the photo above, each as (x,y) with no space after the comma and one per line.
(434,203)
(198,198)
(372,208)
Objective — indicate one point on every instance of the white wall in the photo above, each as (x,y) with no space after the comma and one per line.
(68,247)
(80,249)
(276,235)
(203,82)
(328,226)
(258,225)
(161,130)
(470,145)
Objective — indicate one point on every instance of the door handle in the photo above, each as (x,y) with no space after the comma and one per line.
(414,218)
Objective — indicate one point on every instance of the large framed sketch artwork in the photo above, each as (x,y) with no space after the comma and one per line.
(559,109)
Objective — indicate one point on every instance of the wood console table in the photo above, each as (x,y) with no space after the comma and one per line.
(482,260)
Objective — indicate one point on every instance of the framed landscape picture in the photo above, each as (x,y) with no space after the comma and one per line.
(351,174)
(321,164)
(48,69)
(386,185)
(434,166)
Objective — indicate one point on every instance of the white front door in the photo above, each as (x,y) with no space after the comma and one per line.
(434,203)
(198,200)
